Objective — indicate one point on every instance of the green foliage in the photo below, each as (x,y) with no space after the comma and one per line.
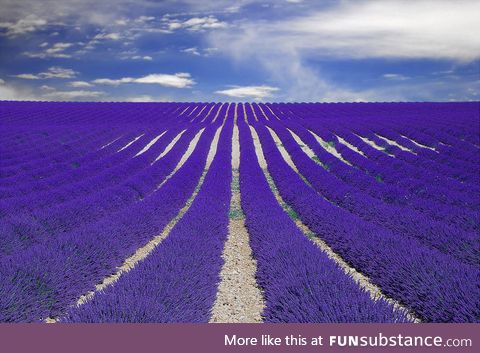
(330,144)
(236,213)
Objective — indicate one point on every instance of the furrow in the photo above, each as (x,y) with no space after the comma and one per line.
(329,147)
(131,142)
(395,143)
(418,144)
(170,146)
(147,249)
(186,155)
(150,144)
(363,281)
(239,298)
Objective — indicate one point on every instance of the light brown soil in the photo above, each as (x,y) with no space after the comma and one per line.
(263,113)
(374,145)
(329,148)
(419,144)
(108,144)
(349,145)
(200,112)
(239,299)
(271,111)
(128,144)
(394,143)
(150,144)
(169,146)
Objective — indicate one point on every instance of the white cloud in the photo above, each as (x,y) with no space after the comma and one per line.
(233,9)
(58,72)
(80,84)
(140,57)
(27,76)
(193,51)
(52,72)
(437,29)
(56,51)
(24,25)
(397,77)
(45,55)
(67,95)
(108,81)
(2,82)
(351,29)
(144,98)
(47,88)
(58,47)
(9,92)
(121,22)
(178,80)
(143,19)
(106,36)
(255,92)
(209,51)
(194,24)
(199,52)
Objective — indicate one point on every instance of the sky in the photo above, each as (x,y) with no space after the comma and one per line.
(246,50)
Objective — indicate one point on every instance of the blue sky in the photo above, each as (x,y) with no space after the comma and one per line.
(284,50)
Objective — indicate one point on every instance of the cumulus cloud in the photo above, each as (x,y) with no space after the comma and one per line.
(58,47)
(178,80)
(199,52)
(193,51)
(22,26)
(55,51)
(47,88)
(255,92)
(80,84)
(107,36)
(52,72)
(143,19)
(69,95)
(140,57)
(194,24)
(27,76)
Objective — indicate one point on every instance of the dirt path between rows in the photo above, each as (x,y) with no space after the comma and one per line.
(239,298)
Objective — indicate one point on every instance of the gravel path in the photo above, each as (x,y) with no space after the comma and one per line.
(239,299)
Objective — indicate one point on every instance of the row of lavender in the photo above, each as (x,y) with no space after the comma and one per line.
(66,231)
(430,266)
(178,282)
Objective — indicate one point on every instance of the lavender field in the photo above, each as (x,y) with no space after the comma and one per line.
(225,212)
